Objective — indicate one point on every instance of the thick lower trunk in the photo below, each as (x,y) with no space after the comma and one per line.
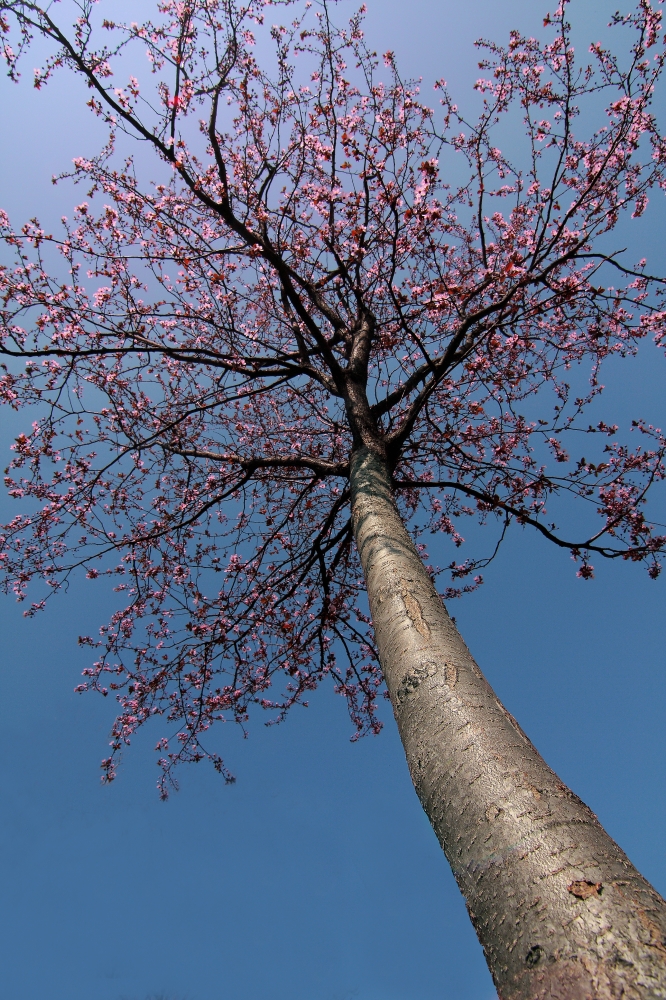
(559,909)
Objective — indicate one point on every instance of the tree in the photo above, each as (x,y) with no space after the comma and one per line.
(340,315)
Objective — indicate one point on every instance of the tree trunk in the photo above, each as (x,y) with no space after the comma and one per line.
(559,909)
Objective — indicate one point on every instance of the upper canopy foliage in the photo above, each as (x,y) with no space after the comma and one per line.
(327,263)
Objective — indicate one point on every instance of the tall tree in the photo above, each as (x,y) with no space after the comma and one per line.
(336,316)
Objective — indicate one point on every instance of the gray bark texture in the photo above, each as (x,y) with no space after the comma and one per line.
(559,909)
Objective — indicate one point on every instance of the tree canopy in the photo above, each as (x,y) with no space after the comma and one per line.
(323,263)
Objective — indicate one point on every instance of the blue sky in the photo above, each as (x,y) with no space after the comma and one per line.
(315,877)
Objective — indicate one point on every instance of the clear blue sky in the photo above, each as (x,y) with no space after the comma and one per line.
(316,877)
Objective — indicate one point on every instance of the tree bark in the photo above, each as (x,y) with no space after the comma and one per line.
(559,909)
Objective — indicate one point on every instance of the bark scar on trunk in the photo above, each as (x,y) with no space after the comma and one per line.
(413,679)
(414,611)
(584,889)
